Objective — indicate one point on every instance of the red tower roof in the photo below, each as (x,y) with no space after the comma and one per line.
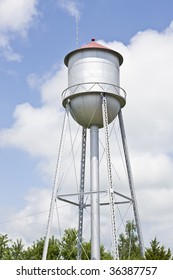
(93,45)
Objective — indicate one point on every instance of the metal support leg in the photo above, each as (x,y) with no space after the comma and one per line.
(81,196)
(131,184)
(54,191)
(95,208)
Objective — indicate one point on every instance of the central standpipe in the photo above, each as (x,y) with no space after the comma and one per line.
(94,185)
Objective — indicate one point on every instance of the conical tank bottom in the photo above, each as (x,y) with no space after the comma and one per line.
(86,109)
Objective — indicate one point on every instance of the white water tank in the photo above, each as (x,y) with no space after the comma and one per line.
(93,70)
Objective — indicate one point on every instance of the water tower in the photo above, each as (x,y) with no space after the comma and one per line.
(94,99)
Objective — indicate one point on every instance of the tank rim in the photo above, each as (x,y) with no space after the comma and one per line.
(103,49)
(116,96)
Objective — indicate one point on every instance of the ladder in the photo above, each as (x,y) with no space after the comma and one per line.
(81,196)
(109,172)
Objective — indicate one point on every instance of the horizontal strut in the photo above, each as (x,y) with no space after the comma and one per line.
(88,205)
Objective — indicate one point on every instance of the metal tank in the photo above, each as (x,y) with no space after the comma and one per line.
(93,70)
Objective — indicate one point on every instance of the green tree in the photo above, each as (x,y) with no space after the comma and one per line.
(15,251)
(68,245)
(64,249)
(35,251)
(157,252)
(104,254)
(4,246)
(128,243)
(86,252)
(11,250)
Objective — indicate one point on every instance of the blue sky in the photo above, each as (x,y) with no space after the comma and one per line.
(52,35)
(34,38)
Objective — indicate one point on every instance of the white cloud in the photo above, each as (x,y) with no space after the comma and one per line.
(34,130)
(146,76)
(71,6)
(51,84)
(153,171)
(16,17)
(30,222)
(53,87)
(156,215)
(37,130)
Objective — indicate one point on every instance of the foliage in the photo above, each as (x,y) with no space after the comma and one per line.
(128,244)
(16,252)
(13,252)
(104,254)
(86,252)
(35,251)
(157,252)
(66,248)
(69,245)
(4,246)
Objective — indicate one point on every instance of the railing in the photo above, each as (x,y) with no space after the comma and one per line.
(94,87)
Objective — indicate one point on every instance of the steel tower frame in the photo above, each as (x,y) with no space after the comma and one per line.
(94,189)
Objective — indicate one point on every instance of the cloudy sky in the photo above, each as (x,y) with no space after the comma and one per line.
(35,35)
